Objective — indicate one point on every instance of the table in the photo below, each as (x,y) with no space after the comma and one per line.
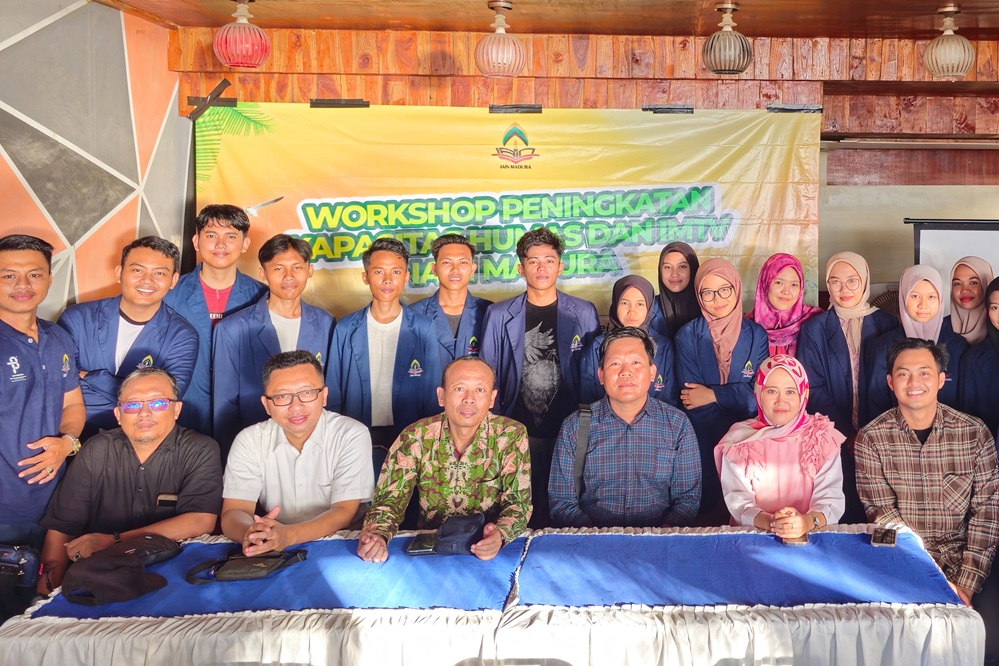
(687,596)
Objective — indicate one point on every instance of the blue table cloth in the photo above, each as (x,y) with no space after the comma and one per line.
(332,576)
(727,568)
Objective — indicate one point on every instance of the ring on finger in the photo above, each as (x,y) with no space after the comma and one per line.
(49,470)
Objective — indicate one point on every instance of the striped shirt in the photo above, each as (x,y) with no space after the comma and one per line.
(647,473)
(947,489)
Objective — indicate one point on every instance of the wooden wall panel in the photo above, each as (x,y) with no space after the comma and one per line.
(870,76)
(912,167)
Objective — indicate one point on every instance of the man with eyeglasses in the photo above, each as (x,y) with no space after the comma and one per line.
(149,476)
(308,468)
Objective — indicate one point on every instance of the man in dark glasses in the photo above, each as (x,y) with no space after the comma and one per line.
(149,476)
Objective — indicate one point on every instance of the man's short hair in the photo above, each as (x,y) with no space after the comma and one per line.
(150,371)
(15,242)
(225,215)
(628,332)
(161,245)
(466,359)
(450,239)
(536,237)
(386,244)
(282,243)
(290,359)
(941,356)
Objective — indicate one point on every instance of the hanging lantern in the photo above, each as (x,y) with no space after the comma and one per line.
(727,51)
(240,43)
(500,54)
(949,56)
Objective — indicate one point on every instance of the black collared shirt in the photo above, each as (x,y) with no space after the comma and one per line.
(106,490)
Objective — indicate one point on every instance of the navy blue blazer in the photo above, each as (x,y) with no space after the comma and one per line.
(696,363)
(874,368)
(166,341)
(188,300)
(415,378)
(468,341)
(822,350)
(663,385)
(242,343)
(503,344)
(977,393)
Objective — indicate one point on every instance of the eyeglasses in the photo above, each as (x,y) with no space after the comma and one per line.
(708,295)
(284,399)
(155,405)
(853,284)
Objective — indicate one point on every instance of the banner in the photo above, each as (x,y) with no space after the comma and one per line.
(617,185)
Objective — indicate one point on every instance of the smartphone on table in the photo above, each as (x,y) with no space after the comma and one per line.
(424,543)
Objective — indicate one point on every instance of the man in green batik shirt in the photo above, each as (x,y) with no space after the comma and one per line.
(465,461)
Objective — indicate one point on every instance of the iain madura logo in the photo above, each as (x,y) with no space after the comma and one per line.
(515,149)
(414,369)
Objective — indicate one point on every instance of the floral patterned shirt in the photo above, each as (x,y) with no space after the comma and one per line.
(492,477)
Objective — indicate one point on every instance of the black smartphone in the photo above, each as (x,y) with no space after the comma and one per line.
(424,543)
(884,536)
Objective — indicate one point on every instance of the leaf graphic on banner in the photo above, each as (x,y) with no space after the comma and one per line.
(244,120)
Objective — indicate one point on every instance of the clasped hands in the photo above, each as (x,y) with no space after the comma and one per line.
(265,534)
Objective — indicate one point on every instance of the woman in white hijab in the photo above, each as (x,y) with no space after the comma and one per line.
(920,309)
(831,345)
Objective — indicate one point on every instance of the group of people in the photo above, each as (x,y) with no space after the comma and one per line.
(212,397)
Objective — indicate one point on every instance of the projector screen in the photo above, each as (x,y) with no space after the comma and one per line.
(939,243)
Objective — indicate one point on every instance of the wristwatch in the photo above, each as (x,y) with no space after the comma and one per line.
(77,445)
(815,522)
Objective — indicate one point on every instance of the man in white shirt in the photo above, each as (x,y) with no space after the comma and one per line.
(308,467)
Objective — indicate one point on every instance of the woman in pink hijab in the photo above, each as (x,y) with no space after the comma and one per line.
(968,280)
(781,471)
(780,308)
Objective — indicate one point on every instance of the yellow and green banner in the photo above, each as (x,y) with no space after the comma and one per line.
(617,185)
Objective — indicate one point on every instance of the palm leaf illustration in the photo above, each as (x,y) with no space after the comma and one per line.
(244,120)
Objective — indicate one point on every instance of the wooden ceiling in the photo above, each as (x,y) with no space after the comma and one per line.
(886,19)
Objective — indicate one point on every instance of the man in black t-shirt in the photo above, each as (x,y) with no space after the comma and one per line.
(149,476)
(533,342)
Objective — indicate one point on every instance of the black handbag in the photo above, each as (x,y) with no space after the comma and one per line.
(149,548)
(237,566)
(19,566)
(458,533)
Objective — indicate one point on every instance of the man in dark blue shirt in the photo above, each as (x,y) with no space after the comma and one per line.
(43,411)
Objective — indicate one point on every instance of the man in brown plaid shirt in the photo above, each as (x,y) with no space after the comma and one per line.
(933,468)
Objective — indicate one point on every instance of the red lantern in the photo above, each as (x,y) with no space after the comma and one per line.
(240,43)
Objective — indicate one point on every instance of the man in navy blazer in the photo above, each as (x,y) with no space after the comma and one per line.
(114,336)
(384,362)
(534,342)
(213,290)
(455,312)
(280,321)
